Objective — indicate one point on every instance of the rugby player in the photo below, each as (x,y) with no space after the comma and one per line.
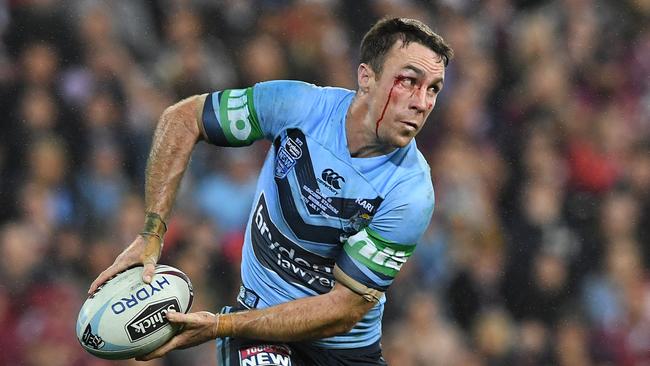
(342,199)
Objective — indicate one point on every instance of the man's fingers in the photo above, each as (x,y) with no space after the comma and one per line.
(94,285)
(177,317)
(148,272)
(167,347)
(149,256)
(192,319)
(103,277)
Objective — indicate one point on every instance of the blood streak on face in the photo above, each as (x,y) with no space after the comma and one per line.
(390,94)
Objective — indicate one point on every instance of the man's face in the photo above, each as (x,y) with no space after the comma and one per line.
(402,97)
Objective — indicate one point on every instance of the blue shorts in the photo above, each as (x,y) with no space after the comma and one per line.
(247,352)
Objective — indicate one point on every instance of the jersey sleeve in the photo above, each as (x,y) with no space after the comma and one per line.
(372,258)
(238,117)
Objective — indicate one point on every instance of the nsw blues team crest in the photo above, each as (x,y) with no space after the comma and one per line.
(288,154)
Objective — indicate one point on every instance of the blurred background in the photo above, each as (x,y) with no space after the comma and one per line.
(539,249)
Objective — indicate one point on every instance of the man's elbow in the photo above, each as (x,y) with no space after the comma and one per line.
(350,318)
(349,322)
(185,113)
(352,308)
(342,325)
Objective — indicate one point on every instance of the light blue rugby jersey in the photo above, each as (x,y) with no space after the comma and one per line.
(316,206)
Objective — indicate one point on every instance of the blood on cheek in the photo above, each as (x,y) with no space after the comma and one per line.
(390,94)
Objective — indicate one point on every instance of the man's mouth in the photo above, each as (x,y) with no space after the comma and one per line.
(413,125)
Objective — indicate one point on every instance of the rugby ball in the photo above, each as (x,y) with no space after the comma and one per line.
(125,317)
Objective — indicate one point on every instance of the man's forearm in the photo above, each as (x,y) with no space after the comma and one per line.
(307,318)
(176,134)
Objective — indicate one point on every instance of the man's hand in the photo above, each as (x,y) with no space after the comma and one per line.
(196,328)
(144,250)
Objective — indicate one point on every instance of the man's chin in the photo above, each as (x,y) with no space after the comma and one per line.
(402,141)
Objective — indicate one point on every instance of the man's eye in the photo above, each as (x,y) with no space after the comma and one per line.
(407,82)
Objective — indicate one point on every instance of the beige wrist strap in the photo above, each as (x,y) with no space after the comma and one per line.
(369,294)
(153,232)
(154,226)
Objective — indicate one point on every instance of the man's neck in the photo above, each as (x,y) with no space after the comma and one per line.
(363,141)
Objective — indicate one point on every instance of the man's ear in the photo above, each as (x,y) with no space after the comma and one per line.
(365,77)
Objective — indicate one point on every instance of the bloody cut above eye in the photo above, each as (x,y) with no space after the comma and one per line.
(407,81)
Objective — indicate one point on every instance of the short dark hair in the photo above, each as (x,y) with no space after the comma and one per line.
(383,35)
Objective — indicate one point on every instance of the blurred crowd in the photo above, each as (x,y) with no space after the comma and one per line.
(539,249)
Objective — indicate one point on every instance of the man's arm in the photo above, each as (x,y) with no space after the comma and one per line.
(312,317)
(176,134)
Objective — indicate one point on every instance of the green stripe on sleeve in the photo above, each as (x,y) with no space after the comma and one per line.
(238,119)
(376,253)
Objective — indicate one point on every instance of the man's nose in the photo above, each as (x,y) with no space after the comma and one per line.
(419,99)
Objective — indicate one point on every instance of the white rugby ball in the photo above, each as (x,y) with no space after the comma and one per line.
(125,317)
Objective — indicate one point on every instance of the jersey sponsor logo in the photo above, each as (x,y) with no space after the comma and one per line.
(265,355)
(284,257)
(380,256)
(237,117)
(293,147)
(151,319)
(287,156)
(385,257)
(368,206)
(238,114)
(332,180)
